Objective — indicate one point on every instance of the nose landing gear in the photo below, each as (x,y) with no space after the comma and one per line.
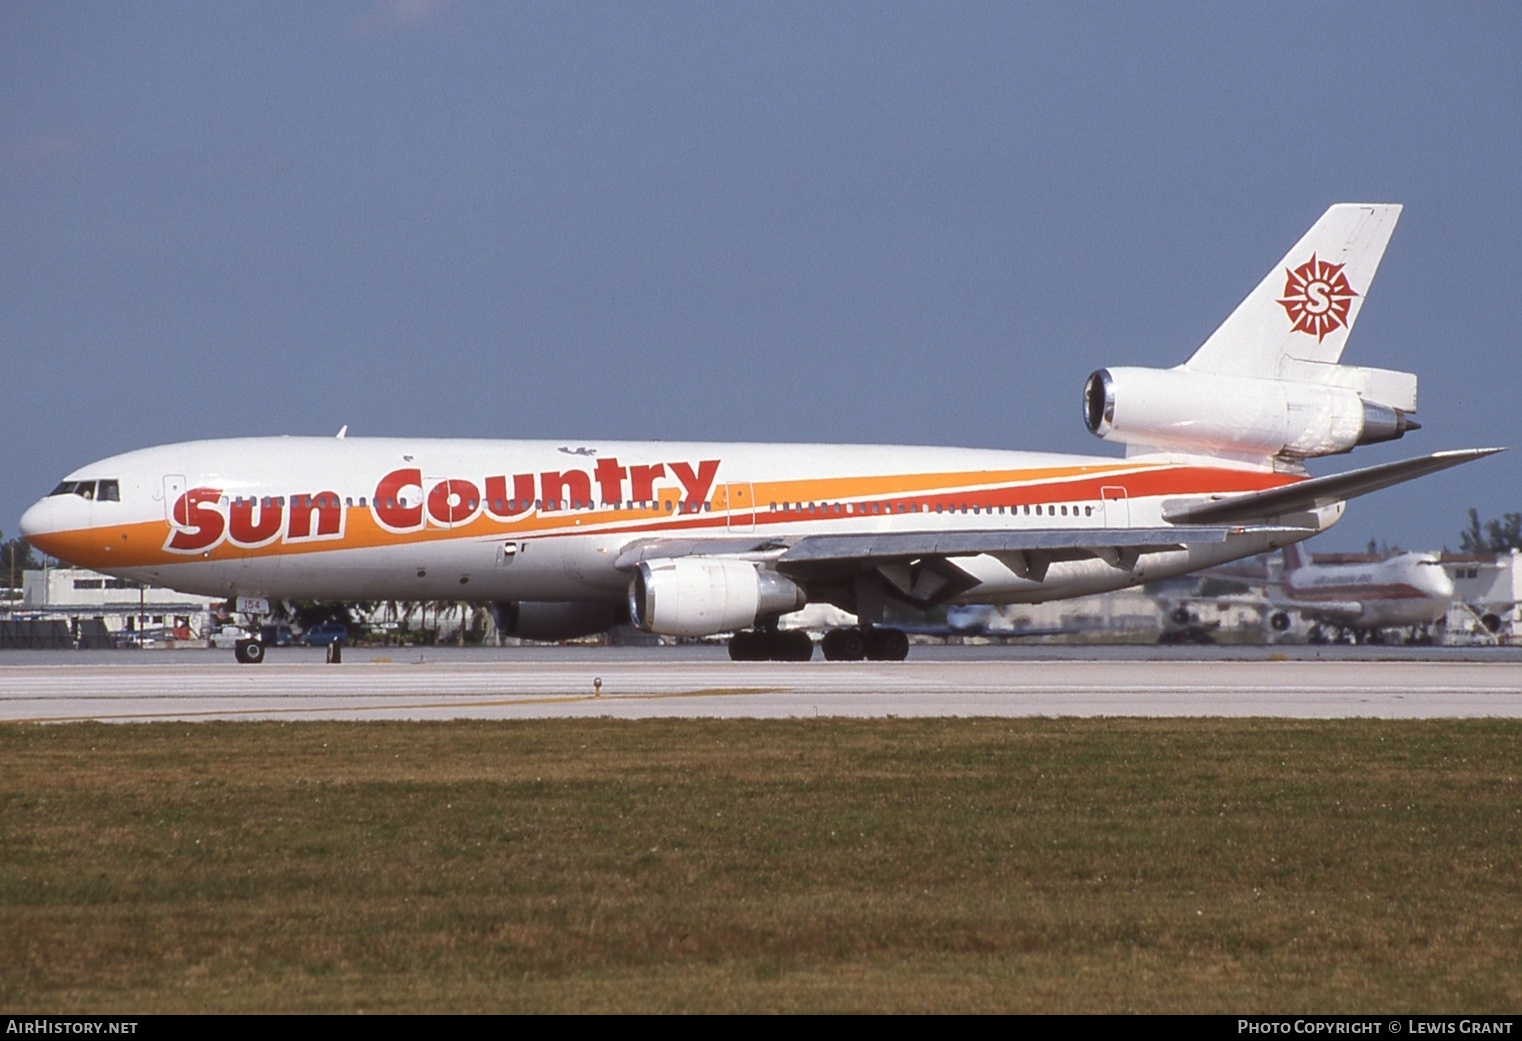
(248,652)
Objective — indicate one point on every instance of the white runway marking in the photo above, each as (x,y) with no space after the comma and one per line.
(365,689)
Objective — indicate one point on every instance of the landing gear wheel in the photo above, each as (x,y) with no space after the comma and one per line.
(796,646)
(770,645)
(887,645)
(745,645)
(249,652)
(844,645)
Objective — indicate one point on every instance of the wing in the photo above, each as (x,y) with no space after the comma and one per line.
(920,567)
(1335,611)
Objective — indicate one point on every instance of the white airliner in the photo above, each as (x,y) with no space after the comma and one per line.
(704,538)
(1410,591)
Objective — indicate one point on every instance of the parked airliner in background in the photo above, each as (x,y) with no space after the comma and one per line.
(1359,601)
(704,538)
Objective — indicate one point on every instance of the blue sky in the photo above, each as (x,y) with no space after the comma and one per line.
(921,223)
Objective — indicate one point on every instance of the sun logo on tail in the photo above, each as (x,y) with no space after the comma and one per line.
(1317,297)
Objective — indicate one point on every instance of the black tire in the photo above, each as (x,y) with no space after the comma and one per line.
(853,644)
(796,646)
(895,645)
(1279,620)
(249,652)
(742,646)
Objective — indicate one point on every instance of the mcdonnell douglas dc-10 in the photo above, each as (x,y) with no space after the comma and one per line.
(698,539)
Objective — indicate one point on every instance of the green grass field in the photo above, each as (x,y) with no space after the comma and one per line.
(882,865)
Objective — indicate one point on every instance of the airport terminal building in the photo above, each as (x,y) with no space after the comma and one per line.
(72,607)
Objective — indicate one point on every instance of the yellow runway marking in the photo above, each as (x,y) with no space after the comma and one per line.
(466,701)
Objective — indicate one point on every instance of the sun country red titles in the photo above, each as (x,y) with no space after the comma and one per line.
(405,502)
(1317,297)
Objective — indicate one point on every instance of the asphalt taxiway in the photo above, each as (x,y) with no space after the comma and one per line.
(655,683)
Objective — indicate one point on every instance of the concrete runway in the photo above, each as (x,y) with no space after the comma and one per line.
(146,686)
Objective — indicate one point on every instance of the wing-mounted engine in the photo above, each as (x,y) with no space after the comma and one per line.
(701,596)
(1336,410)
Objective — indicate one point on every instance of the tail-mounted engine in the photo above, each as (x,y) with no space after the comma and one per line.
(1334,411)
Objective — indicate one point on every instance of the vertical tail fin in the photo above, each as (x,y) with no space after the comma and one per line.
(1306,305)
(1295,558)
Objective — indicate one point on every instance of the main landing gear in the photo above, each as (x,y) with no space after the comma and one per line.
(873,643)
(770,645)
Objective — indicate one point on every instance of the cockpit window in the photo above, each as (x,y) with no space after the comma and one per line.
(110,491)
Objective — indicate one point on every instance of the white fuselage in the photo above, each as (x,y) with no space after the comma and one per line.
(1410,589)
(413,519)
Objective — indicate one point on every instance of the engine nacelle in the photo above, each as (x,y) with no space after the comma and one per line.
(692,597)
(1245,415)
(554,620)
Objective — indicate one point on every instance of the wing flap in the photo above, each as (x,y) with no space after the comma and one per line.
(1067,543)
(1119,546)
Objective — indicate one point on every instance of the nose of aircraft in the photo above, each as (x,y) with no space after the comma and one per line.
(32,521)
(1438,583)
(41,520)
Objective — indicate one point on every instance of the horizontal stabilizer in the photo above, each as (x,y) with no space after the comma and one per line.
(1320,491)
